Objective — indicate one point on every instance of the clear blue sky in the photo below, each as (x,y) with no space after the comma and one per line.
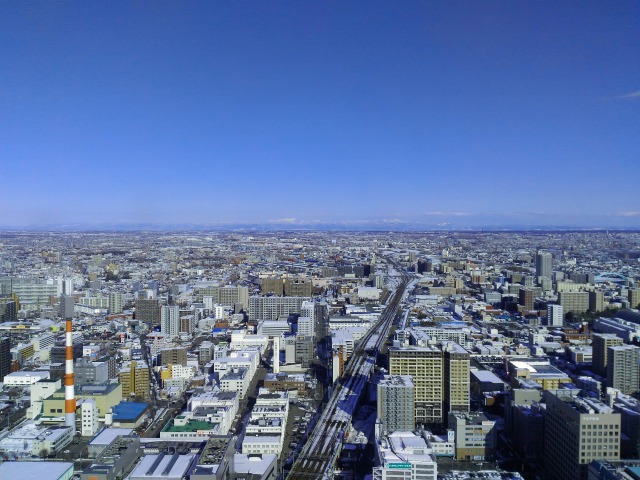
(237,111)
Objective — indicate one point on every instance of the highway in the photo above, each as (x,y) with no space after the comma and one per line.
(319,454)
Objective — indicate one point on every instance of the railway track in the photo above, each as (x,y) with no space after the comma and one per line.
(320,452)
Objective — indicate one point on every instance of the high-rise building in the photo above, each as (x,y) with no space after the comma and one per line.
(596,301)
(576,302)
(633,295)
(67,304)
(115,302)
(148,310)
(623,371)
(544,264)
(305,350)
(170,320)
(396,408)
(555,315)
(600,345)
(8,309)
(577,430)
(527,297)
(5,357)
(424,364)
(457,381)
(134,377)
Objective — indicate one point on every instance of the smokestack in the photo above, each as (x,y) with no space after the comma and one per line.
(69,391)
(276,354)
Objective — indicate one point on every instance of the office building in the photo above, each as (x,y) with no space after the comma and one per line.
(425,366)
(8,310)
(87,372)
(404,455)
(555,315)
(170,320)
(623,371)
(305,350)
(577,430)
(67,304)
(475,436)
(544,264)
(5,357)
(396,403)
(456,378)
(148,310)
(600,349)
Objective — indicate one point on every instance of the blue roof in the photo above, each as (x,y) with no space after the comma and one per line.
(129,410)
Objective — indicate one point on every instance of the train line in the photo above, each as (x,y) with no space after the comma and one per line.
(319,454)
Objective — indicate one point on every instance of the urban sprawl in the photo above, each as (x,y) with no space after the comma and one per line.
(258,355)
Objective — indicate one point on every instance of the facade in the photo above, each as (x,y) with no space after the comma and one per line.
(576,302)
(148,311)
(623,370)
(475,436)
(174,356)
(600,350)
(170,320)
(115,302)
(555,315)
(544,264)
(527,297)
(457,380)
(577,430)
(596,301)
(5,357)
(272,308)
(134,377)
(396,403)
(425,366)
(404,456)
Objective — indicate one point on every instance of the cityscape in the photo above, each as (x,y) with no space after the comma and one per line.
(286,240)
(350,355)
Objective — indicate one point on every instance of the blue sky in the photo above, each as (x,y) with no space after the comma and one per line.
(272,111)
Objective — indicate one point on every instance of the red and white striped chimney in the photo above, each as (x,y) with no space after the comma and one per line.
(69,390)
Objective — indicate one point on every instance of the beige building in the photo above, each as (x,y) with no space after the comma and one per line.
(475,436)
(457,380)
(600,345)
(425,366)
(576,302)
(134,377)
(577,431)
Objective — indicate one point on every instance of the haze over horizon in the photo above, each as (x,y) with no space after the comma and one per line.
(298,114)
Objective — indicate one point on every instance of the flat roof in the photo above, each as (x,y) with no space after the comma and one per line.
(129,410)
(35,470)
(177,470)
(108,435)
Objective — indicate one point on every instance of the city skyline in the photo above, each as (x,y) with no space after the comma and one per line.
(359,116)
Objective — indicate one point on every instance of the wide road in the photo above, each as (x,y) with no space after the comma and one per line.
(320,452)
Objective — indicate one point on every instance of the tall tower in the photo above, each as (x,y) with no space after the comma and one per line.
(544,264)
(69,390)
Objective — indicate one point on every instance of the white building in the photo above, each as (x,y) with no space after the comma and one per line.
(170,320)
(23,378)
(555,315)
(404,456)
(89,415)
(240,340)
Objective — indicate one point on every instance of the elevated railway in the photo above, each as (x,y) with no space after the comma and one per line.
(319,454)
